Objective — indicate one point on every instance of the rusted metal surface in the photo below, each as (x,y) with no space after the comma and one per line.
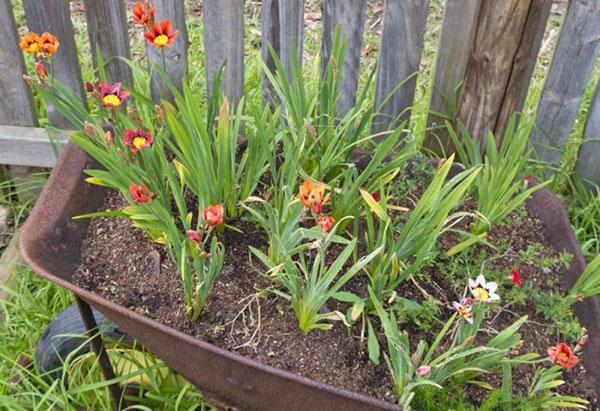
(50,244)
(51,241)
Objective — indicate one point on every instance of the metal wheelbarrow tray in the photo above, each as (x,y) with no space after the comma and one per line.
(51,244)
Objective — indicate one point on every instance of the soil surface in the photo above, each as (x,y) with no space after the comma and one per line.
(123,265)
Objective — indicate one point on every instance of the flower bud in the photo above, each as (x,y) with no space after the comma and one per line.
(89,130)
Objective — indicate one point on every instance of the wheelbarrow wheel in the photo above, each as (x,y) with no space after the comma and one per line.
(65,337)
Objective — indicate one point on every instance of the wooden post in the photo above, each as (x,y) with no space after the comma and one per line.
(54,16)
(176,54)
(18,109)
(399,58)
(501,62)
(224,43)
(459,27)
(107,28)
(570,70)
(283,30)
(350,15)
(588,163)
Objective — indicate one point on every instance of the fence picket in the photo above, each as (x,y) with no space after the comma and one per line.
(501,30)
(524,63)
(175,55)
(399,58)
(588,162)
(107,28)
(224,43)
(350,15)
(570,70)
(282,29)
(18,109)
(458,33)
(54,16)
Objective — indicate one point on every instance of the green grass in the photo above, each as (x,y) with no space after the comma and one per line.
(34,302)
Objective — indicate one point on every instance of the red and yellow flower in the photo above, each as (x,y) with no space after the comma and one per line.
(137,139)
(313,195)
(160,35)
(143,13)
(562,355)
(111,96)
(214,214)
(48,44)
(140,193)
(30,43)
(325,222)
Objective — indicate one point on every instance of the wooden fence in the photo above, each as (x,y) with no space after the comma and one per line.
(487,52)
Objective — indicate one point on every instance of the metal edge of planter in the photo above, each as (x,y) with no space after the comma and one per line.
(547,207)
(51,244)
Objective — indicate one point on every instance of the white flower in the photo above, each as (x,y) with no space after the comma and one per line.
(482,290)
(464,309)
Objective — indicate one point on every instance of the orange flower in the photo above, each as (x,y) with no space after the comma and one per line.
(562,355)
(143,13)
(313,195)
(48,43)
(40,69)
(160,35)
(325,222)
(30,43)
(213,215)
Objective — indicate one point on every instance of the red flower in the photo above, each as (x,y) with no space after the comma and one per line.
(160,35)
(325,222)
(562,355)
(137,139)
(89,87)
(516,277)
(375,196)
(140,193)
(213,215)
(40,69)
(111,95)
(194,236)
(143,13)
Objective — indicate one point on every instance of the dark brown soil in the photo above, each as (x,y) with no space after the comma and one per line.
(123,265)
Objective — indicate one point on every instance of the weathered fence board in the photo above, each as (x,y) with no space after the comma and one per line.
(458,32)
(291,26)
(573,61)
(350,15)
(18,109)
(399,58)
(175,56)
(523,63)
(588,162)
(283,30)
(502,28)
(54,16)
(29,146)
(224,43)
(107,29)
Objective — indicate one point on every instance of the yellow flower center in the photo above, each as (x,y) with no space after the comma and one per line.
(161,40)
(138,142)
(112,100)
(33,48)
(481,294)
(562,356)
(464,312)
